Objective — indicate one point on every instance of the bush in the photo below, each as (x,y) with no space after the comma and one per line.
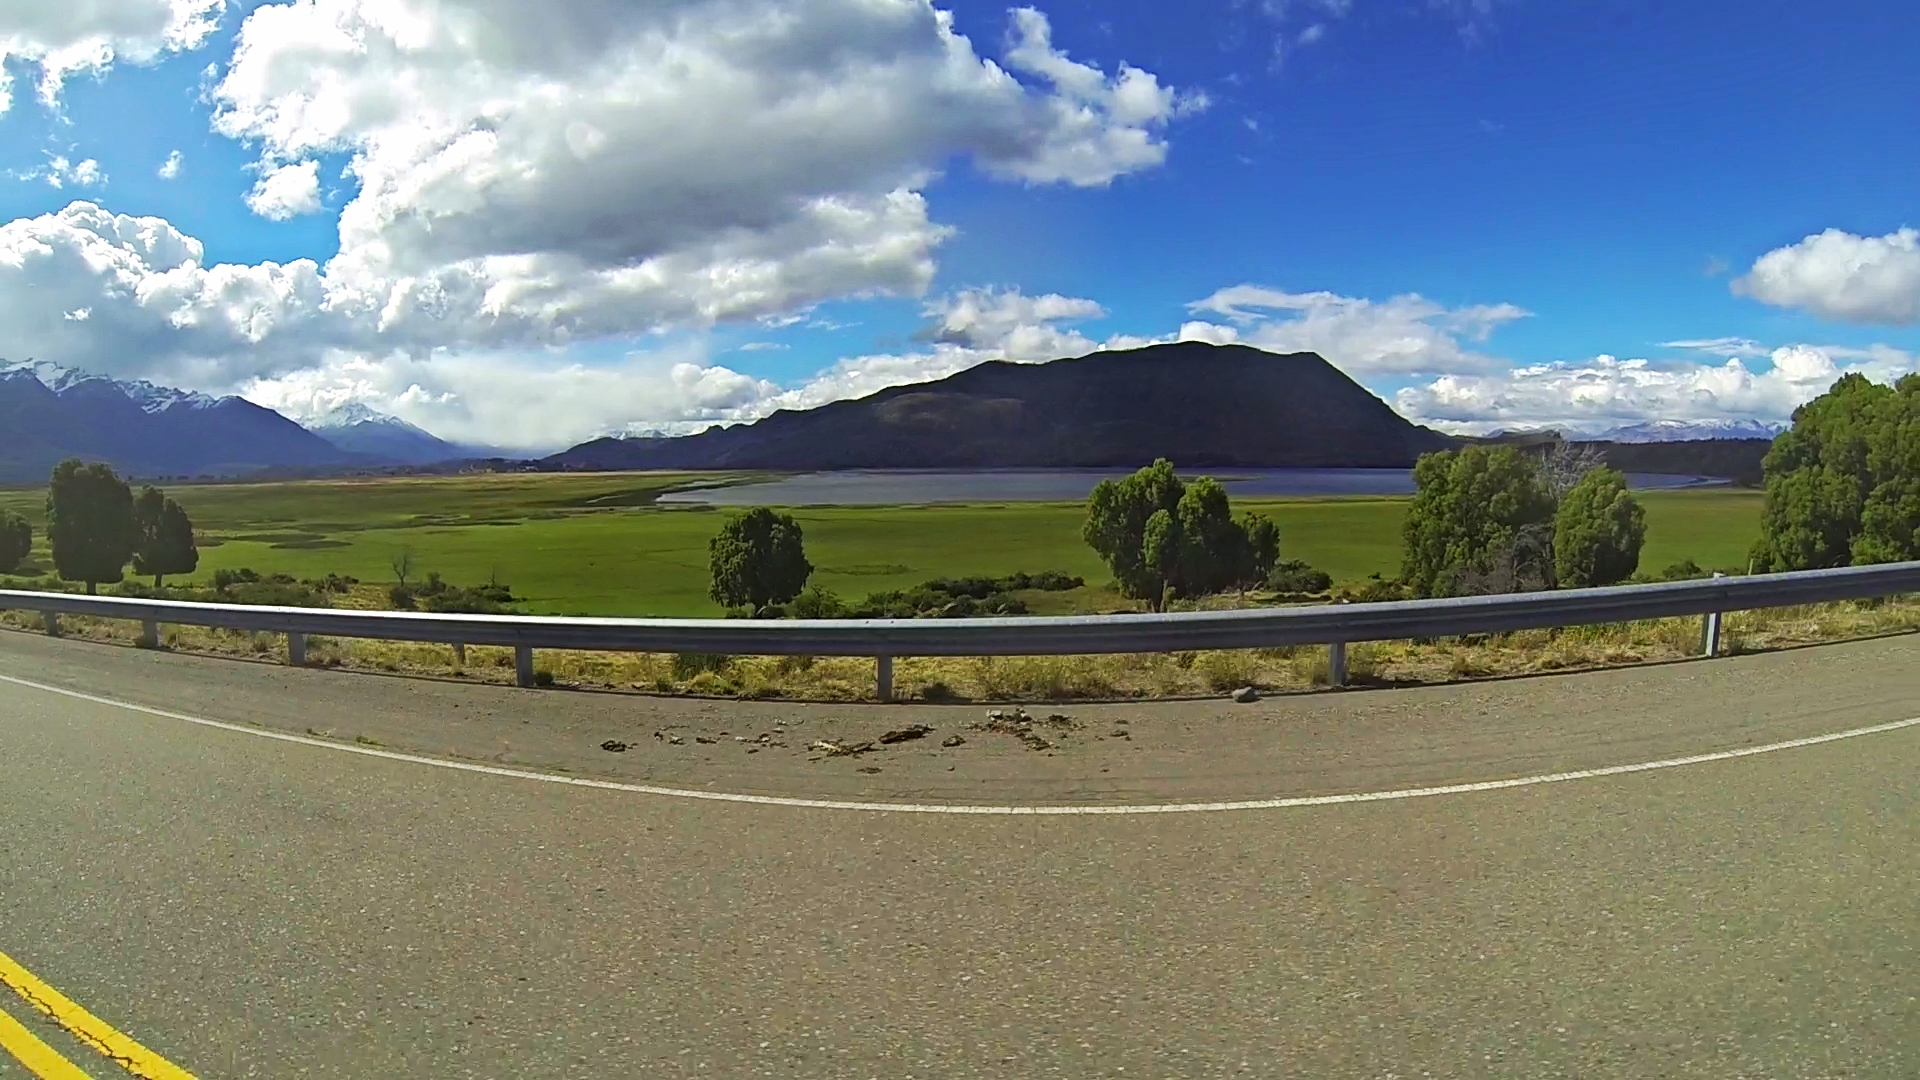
(1843,484)
(1295,576)
(817,603)
(226,579)
(16,541)
(1375,589)
(1472,513)
(332,583)
(401,597)
(542,677)
(1598,531)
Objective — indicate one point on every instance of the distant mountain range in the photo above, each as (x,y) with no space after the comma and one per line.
(48,413)
(1198,404)
(391,440)
(1666,431)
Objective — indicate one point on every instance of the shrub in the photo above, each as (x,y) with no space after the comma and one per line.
(542,677)
(16,541)
(1295,576)
(1375,589)
(1598,531)
(401,597)
(1470,513)
(817,603)
(227,579)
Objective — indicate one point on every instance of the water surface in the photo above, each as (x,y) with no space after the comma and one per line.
(917,487)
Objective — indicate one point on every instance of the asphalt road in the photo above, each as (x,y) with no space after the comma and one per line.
(247,907)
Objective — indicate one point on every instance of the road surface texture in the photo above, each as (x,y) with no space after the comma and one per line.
(252,907)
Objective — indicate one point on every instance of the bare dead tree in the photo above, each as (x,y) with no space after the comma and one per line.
(1564,463)
(402,564)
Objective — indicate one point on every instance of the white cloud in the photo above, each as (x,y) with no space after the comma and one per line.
(1733,347)
(1312,34)
(63,38)
(154,308)
(1406,334)
(1838,275)
(1606,391)
(525,402)
(287,192)
(170,168)
(59,172)
(537,175)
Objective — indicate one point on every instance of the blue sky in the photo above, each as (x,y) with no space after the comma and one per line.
(529,228)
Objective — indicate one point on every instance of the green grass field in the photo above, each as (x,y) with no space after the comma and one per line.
(594,544)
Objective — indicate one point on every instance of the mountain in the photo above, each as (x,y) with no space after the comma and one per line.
(49,412)
(377,436)
(1198,404)
(1690,431)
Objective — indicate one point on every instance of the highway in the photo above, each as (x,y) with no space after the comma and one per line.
(319,904)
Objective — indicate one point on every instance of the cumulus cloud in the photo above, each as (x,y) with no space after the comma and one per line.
(287,192)
(155,309)
(170,168)
(1838,275)
(63,39)
(1607,391)
(1406,334)
(545,406)
(530,176)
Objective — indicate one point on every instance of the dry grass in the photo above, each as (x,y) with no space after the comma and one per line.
(1061,678)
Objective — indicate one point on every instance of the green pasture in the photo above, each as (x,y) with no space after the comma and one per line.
(596,544)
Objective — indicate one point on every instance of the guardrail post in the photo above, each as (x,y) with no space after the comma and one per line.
(883,666)
(297,649)
(523,665)
(1336,663)
(1710,630)
(150,633)
(459,654)
(52,620)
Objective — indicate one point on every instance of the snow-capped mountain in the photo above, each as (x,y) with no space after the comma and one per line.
(1686,430)
(358,429)
(50,412)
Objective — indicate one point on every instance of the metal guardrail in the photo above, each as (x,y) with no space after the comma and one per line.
(1333,625)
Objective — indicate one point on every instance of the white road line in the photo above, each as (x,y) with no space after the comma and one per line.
(938,808)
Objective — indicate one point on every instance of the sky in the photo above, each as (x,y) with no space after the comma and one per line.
(526,225)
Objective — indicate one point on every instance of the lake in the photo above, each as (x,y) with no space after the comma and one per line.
(893,487)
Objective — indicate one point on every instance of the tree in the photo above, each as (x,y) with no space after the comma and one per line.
(1565,464)
(1116,528)
(759,558)
(16,540)
(164,543)
(90,524)
(1843,483)
(1597,531)
(1475,511)
(1262,549)
(1162,538)
(401,562)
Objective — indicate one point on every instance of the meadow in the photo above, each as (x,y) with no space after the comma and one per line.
(596,543)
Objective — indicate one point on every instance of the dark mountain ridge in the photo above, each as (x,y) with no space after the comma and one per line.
(141,429)
(1201,405)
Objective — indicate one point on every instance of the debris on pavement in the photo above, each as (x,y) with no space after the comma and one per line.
(614,746)
(952,740)
(914,731)
(868,769)
(703,739)
(836,749)
(1246,694)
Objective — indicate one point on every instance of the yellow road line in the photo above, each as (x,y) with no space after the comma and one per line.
(87,1027)
(40,1059)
